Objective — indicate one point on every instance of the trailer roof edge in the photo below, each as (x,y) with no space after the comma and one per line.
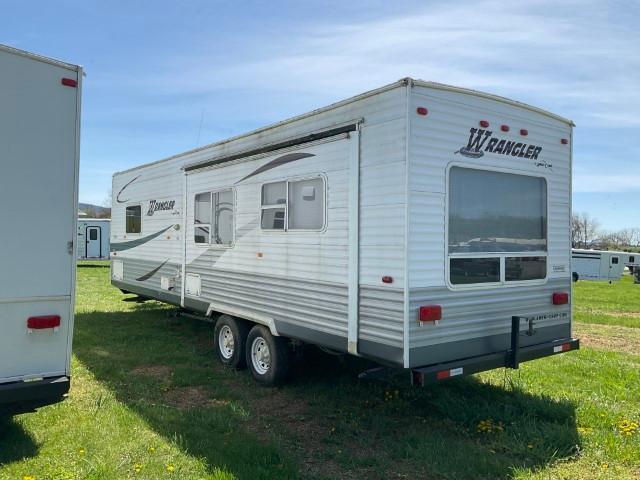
(403,82)
(40,58)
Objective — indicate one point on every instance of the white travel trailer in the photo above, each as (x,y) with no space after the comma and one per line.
(93,238)
(599,264)
(39,152)
(419,225)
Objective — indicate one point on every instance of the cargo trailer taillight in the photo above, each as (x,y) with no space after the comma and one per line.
(484,123)
(524,132)
(564,141)
(69,82)
(504,128)
(560,298)
(422,111)
(430,313)
(43,322)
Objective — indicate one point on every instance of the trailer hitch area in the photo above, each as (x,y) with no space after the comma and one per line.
(513,356)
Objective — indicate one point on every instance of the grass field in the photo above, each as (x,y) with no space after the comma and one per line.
(150,401)
(616,303)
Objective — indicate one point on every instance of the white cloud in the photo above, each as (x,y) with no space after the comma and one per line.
(573,59)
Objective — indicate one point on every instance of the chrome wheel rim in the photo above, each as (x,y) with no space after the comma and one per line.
(226,343)
(260,355)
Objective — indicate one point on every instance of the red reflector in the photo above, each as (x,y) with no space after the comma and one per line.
(564,141)
(44,321)
(421,111)
(387,279)
(524,132)
(430,313)
(443,374)
(484,123)
(504,128)
(560,298)
(69,82)
(566,346)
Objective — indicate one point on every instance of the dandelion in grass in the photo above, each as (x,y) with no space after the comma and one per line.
(137,467)
(628,427)
(489,426)
(170,468)
(152,449)
(585,430)
(605,466)
(82,451)
(28,477)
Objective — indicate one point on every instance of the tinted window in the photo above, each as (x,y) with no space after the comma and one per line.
(133,219)
(614,260)
(474,270)
(496,212)
(525,268)
(93,234)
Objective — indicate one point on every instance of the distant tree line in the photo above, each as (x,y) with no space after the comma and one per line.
(586,233)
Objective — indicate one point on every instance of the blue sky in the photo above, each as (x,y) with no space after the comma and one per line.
(164,77)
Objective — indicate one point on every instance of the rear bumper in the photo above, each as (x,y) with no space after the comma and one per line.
(23,397)
(509,358)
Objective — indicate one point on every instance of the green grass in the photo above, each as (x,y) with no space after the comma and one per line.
(616,303)
(147,394)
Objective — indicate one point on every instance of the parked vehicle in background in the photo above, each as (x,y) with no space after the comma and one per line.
(602,265)
(93,238)
(39,152)
(419,225)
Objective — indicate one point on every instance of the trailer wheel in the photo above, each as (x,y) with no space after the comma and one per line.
(268,357)
(230,339)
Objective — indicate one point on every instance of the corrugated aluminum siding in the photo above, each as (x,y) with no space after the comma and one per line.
(434,139)
(300,277)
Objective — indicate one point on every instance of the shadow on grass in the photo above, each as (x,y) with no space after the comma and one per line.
(325,423)
(15,442)
(104,264)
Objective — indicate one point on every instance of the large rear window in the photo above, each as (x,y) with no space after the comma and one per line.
(492,216)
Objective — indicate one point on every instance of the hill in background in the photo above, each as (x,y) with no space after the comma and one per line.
(88,210)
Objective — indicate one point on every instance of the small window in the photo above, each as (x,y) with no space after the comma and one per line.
(293,205)
(614,260)
(133,219)
(213,218)
(474,270)
(93,234)
(632,259)
(518,269)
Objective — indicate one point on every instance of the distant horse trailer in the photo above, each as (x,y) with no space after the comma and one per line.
(93,238)
(602,265)
(419,225)
(39,152)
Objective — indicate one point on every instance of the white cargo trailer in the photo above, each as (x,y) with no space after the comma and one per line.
(93,238)
(39,151)
(419,225)
(599,264)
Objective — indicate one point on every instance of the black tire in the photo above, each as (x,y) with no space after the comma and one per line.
(234,329)
(575,276)
(274,369)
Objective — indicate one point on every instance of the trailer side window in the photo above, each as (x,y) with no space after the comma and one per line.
(133,219)
(497,227)
(214,218)
(614,260)
(293,205)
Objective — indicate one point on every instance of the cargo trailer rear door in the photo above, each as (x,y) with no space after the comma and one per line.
(39,128)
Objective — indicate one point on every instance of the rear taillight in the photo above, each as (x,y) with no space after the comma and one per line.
(560,298)
(69,82)
(430,313)
(43,322)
